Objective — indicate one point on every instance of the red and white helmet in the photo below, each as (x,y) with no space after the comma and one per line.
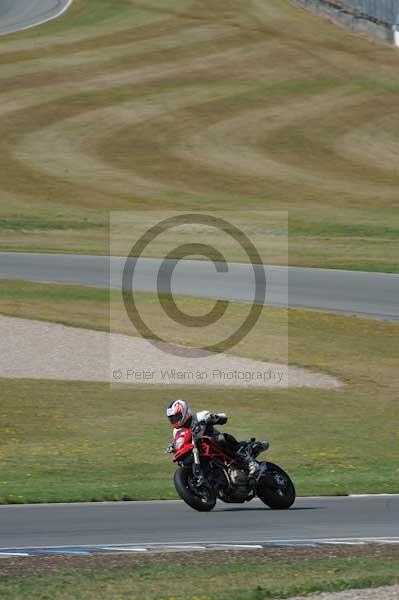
(178,413)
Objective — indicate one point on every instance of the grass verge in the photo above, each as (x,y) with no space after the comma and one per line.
(84,441)
(253,575)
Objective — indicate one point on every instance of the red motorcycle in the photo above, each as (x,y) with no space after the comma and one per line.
(207,472)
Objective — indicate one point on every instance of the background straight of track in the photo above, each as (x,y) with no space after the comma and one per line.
(350,292)
(23,14)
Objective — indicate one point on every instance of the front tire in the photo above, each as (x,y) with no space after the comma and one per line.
(202,499)
(276,489)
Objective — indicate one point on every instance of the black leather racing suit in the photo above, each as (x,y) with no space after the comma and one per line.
(226,440)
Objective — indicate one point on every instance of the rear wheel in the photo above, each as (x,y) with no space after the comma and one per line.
(276,489)
(202,498)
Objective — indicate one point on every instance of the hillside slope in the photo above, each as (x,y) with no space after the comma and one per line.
(180,104)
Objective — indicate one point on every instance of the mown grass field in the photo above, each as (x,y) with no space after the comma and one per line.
(179,104)
(85,441)
(222,575)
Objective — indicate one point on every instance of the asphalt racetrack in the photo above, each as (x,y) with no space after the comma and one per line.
(141,524)
(349,292)
(23,14)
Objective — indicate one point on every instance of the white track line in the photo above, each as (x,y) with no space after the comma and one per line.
(373,495)
(168,548)
(123,549)
(251,546)
(204,544)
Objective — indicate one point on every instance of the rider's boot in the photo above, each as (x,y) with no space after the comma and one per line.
(253,465)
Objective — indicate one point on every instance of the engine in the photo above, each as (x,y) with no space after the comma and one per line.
(239,489)
(238,477)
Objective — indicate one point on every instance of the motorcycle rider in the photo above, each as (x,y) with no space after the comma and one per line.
(180,415)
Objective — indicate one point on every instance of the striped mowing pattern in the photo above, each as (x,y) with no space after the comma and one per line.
(181,104)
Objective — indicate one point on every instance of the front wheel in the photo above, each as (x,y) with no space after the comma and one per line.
(276,489)
(202,498)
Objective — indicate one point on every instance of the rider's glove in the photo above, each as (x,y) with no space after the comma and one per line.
(170,448)
(209,418)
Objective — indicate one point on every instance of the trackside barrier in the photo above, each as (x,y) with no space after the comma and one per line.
(384,11)
(376,18)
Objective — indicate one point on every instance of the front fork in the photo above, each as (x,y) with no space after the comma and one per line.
(197,469)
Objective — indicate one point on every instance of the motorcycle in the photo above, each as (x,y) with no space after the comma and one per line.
(207,472)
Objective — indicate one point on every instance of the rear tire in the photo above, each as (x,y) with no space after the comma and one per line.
(276,489)
(204,501)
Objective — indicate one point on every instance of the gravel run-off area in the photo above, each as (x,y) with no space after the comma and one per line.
(389,592)
(42,350)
